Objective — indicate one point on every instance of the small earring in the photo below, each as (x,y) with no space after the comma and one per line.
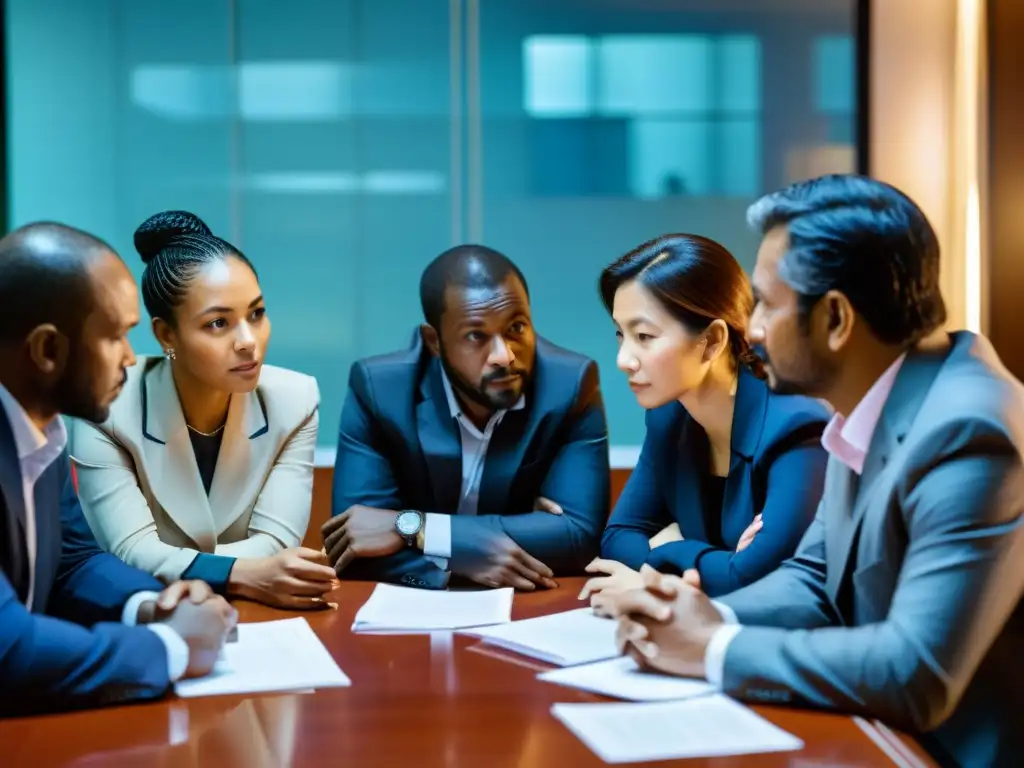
(169,353)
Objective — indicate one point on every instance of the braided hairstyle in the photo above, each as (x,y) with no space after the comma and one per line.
(697,281)
(174,246)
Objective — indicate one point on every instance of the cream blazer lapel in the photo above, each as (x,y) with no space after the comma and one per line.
(170,460)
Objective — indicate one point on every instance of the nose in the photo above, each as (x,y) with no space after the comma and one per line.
(244,339)
(626,360)
(129,354)
(501,355)
(755,328)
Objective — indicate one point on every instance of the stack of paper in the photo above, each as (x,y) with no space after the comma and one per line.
(397,610)
(565,639)
(281,655)
(709,726)
(622,679)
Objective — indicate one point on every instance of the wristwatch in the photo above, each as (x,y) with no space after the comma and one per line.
(408,524)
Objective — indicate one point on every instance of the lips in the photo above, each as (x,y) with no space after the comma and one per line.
(246,368)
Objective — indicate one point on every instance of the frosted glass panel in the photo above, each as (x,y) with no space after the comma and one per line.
(558,74)
(652,74)
(669,157)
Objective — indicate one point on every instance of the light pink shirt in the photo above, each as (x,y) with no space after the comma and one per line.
(846,440)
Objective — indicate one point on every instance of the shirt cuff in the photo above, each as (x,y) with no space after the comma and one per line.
(176,647)
(437,535)
(130,613)
(728,614)
(714,654)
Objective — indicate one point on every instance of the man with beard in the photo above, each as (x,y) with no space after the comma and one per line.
(481,451)
(78,627)
(903,601)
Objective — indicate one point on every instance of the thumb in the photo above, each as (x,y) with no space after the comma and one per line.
(313,555)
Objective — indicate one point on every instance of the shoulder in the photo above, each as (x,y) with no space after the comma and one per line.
(566,376)
(792,419)
(290,397)
(389,370)
(126,412)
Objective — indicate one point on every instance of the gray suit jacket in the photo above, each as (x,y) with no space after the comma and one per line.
(904,599)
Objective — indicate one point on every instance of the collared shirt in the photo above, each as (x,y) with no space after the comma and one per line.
(437,535)
(37,450)
(846,439)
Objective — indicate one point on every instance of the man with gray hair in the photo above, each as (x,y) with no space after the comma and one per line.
(904,599)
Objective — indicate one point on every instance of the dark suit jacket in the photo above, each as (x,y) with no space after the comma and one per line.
(400,448)
(777,470)
(71,650)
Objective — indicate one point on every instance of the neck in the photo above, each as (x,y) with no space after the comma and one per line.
(204,409)
(38,407)
(712,403)
(854,380)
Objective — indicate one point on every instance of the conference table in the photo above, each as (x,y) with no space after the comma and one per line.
(416,700)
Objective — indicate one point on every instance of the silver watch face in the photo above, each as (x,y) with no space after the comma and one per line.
(408,523)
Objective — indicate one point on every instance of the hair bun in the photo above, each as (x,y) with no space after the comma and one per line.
(157,232)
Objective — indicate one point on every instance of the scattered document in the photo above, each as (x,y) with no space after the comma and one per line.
(269,656)
(621,678)
(397,610)
(564,639)
(709,726)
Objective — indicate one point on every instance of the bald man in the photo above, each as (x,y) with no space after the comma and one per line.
(78,627)
(480,452)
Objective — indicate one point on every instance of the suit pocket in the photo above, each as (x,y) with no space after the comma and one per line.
(873,586)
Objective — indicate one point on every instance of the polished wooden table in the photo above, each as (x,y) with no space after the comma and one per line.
(416,701)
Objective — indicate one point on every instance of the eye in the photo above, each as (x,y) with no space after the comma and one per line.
(217,323)
(644,337)
(257,314)
(475,336)
(518,327)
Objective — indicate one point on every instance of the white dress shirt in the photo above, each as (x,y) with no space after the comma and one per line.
(437,534)
(846,440)
(37,450)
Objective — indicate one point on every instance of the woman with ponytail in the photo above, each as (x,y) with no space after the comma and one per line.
(730,473)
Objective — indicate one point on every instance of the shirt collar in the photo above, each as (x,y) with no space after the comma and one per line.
(28,438)
(456,408)
(848,439)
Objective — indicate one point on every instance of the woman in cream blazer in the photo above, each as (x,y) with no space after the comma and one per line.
(204,468)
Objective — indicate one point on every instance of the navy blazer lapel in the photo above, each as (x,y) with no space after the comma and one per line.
(10,472)
(504,457)
(915,378)
(439,441)
(750,408)
(690,469)
(48,492)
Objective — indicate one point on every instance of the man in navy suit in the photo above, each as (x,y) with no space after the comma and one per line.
(480,451)
(78,627)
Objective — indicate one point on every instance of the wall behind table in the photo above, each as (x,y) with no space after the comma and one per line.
(321,510)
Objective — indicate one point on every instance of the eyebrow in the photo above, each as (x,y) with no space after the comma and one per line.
(228,310)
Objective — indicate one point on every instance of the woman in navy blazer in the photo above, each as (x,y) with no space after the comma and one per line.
(730,473)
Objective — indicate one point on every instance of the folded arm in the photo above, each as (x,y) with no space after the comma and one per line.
(965,534)
(794,486)
(640,514)
(578,481)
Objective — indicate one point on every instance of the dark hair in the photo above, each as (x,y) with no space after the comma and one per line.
(866,239)
(44,278)
(174,246)
(465,266)
(697,281)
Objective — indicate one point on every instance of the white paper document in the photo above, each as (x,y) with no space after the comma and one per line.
(269,656)
(565,639)
(394,609)
(621,678)
(708,726)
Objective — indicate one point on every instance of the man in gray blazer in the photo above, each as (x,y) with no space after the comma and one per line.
(904,599)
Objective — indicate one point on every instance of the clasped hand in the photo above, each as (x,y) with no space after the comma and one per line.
(201,618)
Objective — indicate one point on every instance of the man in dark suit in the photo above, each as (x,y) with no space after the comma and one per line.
(77,626)
(480,451)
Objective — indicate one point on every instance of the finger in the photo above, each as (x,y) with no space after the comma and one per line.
(344,560)
(521,583)
(692,577)
(525,571)
(199,592)
(594,585)
(172,595)
(331,542)
(312,555)
(341,546)
(308,571)
(662,584)
(332,525)
(642,602)
(534,564)
(645,569)
(597,565)
(546,505)
(299,587)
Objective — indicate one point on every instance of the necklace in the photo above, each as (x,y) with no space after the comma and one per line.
(206,434)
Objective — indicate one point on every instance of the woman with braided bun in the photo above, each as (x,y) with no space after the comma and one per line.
(204,468)
(730,473)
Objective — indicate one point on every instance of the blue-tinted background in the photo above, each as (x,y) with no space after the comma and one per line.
(342,143)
